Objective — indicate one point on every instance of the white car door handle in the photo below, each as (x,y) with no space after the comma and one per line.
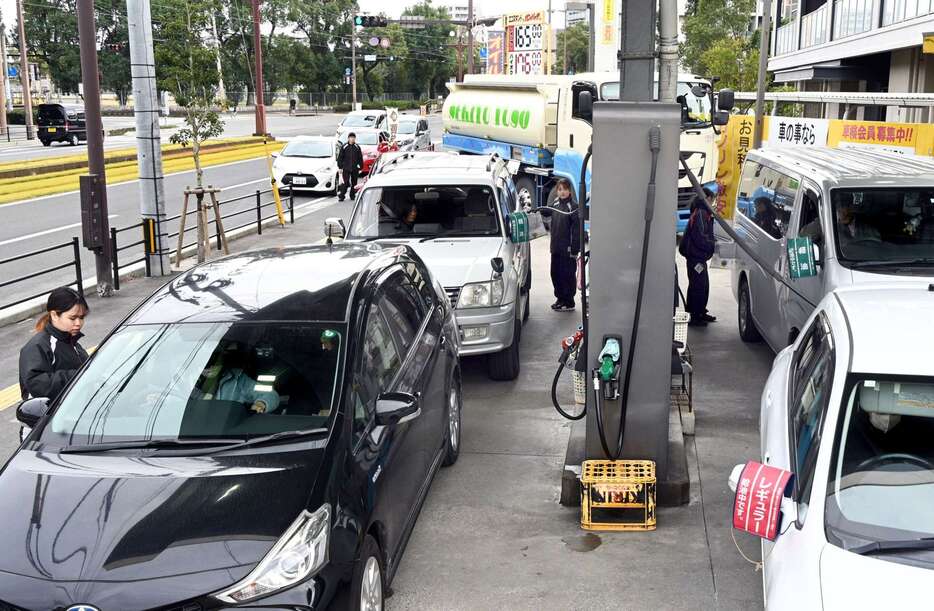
(767,458)
(768,399)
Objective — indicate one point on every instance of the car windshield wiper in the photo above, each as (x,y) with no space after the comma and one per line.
(144,444)
(877,547)
(275,437)
(458,232)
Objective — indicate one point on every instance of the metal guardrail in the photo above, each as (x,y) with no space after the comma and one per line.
(75,262)
(262,201)
(258,209)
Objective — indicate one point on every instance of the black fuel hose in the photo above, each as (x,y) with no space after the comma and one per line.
(765,267)
(554,394)
(581,219)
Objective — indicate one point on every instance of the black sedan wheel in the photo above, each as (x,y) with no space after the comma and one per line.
(452,437)
(367,592)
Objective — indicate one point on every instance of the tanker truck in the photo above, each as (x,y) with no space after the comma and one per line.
(537,121)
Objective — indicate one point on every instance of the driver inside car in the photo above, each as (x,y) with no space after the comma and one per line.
(225,379)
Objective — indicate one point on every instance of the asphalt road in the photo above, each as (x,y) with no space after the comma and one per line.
(242,124)
(43,222)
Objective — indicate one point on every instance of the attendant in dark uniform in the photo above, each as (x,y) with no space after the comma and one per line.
(697,247)
(350,162)
(565,245)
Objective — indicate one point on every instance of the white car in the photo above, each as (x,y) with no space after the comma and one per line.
(362,119)
(454,211)
(413,134)
(308,163)
(849,410)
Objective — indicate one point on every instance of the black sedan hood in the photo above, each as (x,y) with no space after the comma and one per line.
(165,522)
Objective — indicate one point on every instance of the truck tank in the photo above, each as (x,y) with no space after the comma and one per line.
(513,112)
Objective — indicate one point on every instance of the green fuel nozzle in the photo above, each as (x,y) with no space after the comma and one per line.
(609,357)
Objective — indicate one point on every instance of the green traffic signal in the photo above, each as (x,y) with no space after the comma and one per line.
(358,20)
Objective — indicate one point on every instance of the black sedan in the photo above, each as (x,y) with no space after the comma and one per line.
(261,432)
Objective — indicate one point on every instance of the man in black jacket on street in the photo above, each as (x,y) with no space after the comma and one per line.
(350,162)
(697,246)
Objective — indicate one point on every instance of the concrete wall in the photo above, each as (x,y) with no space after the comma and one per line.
(911,71)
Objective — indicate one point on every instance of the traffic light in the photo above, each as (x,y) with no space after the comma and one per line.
(371,21)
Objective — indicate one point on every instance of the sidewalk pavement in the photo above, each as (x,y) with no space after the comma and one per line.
(492,533)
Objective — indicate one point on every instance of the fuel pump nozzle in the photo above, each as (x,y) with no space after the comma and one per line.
(607,374)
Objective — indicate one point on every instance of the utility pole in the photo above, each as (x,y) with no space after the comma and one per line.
(7,91)
(668,52)
(87,39)
(469,37)
(148,140)
(591,15)
(763,70)
(3,80)
(353,61)
(260,83)
(24,72)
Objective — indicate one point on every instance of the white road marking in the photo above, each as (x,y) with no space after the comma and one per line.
(126,182)
(48,231)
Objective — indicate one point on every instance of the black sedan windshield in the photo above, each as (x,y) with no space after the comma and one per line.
(884,226)
(881,485)
(202,381)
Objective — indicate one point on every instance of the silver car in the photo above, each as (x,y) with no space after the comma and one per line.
(413,134)
(864,216)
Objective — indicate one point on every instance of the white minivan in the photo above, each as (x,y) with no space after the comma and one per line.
(865,216)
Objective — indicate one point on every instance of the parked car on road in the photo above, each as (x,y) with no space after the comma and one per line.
(868,216)
(308,163)
(252,434)
(413,134)
(362,119)
(454,212)
(373,143)
(849,410)
(61,123)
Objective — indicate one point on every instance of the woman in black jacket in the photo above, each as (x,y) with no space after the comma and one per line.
(52,357)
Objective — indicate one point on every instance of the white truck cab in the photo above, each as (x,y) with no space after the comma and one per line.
(454,212)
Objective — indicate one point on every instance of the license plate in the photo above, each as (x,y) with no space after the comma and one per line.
(52,130)
(299,180)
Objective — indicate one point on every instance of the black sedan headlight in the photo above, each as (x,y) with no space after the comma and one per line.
(300,553)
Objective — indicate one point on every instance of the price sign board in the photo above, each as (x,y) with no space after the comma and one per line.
(526,36)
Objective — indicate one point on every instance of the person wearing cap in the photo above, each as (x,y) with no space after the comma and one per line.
(52,356)
(350,162)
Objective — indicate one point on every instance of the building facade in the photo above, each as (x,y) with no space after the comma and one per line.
(854,45)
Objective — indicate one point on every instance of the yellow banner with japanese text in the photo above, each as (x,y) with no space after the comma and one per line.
(734,142)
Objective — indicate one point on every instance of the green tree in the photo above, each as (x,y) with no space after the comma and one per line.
(187,69)
(708,21)
(431,60)
(377,74)
(735,61)
(573,43)
(52,31)
(114,56)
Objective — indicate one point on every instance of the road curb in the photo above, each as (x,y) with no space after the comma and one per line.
(77,162)
(24,188)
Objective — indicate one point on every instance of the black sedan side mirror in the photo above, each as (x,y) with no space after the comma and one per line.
(30,412)
(396,408)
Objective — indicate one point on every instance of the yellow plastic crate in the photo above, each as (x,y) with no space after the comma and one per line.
(618,495)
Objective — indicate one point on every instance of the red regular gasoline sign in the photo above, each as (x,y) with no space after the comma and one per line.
(758,502)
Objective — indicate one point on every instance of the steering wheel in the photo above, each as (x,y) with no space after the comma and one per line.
(894,456)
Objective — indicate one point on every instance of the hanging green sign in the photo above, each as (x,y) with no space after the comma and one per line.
(801,258)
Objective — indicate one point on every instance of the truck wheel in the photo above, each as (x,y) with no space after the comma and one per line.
(525,187)
(747,326)
(504,366)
